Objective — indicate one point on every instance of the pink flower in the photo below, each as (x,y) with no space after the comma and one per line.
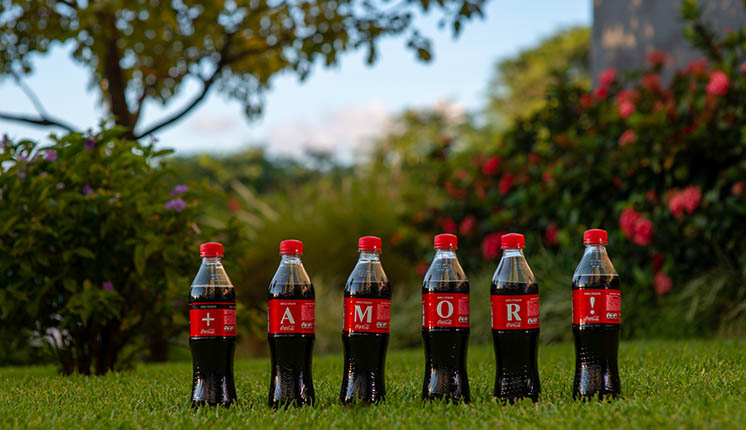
(491,246)
(505,183)
(662,283)
(468,225)
(50,155)
(685,200)
(491,166)
(627,221)
(719,83)
(179,189)
(449,226)
(643,232)
(626,138)
(551,234)
(586,100)
(602,92)
(742,68)
(651,196)
(607,77)
(656,58)
(108,286)
(626,108)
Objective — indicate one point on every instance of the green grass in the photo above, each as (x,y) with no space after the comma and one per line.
(674,384)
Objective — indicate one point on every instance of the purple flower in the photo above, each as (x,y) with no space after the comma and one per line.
(90,143)
(22,157)
(153,140)
(60,186)
(108,286)
(87,190)
(177,205)
(179,189)
(50,155)
(5,142)
(21,174)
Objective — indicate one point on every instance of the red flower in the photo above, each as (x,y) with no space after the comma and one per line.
(234,205)
(532,158)
(643,232)
(547,177)
(656,58)
(685,200)
(652,82)
(617,182)
(719,83)
(468,225)
(586,100)
(421,269)
(627,95)
(449,225)
(742,68)
(696,67)
(737,188)
(651,196)
(662,283)
(658,259)
(491,166)
(626,108)
(607,77)
(453,191)
(491,246)
(551,234)
(626,138)
(602,92)
(505,183)
(461,174)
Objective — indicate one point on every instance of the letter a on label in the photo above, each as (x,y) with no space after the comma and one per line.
(287,316)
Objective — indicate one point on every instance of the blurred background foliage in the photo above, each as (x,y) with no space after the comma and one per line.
(660,165)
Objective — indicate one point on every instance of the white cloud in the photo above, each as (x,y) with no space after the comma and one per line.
(207,123)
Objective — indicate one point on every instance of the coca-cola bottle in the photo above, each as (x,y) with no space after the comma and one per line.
(596,321)
(515,324)
(212,339)
(445,324)
(291,329)
(365,333)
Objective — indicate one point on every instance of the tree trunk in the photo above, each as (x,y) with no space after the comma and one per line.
(115,84)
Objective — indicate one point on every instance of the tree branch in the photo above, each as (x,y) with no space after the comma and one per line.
(30,94)
(42,120)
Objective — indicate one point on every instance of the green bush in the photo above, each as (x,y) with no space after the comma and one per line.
(96,250)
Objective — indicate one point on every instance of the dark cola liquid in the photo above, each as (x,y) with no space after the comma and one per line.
(365,353)
(291,382)
(516,353)
(212,357)
(596,348)
(445,352)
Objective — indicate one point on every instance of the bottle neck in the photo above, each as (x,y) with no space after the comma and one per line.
(368,255)
(595,249)
(512,252)
(211,260)
(290,259)
(445,253)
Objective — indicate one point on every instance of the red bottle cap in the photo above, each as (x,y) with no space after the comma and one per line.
(512,240)
(211,249)
(369,243)
(445,241)
(291,246)
(595,236)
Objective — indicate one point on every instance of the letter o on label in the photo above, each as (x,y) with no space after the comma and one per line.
(439,309)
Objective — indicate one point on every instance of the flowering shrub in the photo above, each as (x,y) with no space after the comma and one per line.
(659,165)
(96,250)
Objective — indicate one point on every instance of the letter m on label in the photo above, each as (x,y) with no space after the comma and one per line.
(363,315)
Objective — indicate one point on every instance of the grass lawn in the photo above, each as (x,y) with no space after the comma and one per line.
(690,384)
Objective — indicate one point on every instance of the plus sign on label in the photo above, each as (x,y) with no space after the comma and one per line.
(212,319)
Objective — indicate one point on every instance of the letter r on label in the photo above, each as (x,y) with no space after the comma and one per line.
(361,315)
(513,309)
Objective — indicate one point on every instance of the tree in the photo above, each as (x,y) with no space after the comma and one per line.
(139,51)
(520,83)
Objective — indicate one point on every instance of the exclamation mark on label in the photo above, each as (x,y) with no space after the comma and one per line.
(593,301)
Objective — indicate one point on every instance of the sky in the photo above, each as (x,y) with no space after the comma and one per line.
(339,109)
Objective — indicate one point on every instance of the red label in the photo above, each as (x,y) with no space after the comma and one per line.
(445,310)
(290,316)
(515,312)
(367,315)
(211,319)
(596,306)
